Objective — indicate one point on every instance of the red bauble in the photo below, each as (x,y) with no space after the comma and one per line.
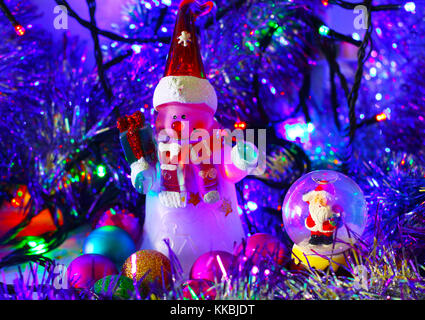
(212,266)
(120,218)
(263,247)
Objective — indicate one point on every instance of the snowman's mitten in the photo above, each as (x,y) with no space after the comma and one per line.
(142,175)
(211,197)
(245,156)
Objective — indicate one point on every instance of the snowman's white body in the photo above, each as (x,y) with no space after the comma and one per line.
(198,227)
(195,229)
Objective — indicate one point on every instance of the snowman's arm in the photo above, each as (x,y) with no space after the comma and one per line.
(140,150)
(143,175)
(243,160)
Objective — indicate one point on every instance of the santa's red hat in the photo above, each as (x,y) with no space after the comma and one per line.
(327,187)
(324,190)
(184,79)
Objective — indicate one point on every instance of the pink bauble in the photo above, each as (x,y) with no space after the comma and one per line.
(263,247)
(212,266)
(85,270)
(121,218)
(199,289)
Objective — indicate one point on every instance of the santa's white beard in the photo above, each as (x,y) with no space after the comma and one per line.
(320,214)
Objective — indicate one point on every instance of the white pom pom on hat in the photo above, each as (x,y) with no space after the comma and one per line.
(185,89)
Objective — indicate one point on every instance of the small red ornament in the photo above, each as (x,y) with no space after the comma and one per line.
(121,218)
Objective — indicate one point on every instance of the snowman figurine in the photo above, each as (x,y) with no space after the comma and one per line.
(190,195)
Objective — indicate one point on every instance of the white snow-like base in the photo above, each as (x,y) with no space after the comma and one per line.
(323,249)
(193,230)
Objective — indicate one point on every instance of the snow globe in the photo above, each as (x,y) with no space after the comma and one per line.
(324,213)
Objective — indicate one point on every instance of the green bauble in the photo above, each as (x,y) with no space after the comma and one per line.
(121,288)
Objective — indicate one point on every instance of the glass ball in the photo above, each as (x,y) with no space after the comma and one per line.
(324,211)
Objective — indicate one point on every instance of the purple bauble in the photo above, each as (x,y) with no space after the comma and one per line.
(212,266)
(85,270)
(199,289)
(263,247)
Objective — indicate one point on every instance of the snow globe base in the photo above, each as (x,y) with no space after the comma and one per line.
(310,259)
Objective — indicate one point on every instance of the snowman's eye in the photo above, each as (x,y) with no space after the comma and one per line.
(174,117)
(183,117)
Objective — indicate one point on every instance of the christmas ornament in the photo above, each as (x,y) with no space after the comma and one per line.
(85,270)
(119,287)
(152,266)
(213,266)
(45,221)
(199,289)
(13,212)
(190,196)
(324,212)
(121,218)
(262,247)
(110,241)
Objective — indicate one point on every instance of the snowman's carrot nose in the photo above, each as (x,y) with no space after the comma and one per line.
(177,126)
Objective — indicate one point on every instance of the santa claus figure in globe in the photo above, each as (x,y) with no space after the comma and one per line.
(324,214)
(189,184)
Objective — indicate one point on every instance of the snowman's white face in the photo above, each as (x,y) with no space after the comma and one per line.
(183,118)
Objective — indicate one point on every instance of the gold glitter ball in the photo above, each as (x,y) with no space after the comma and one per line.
(155,264)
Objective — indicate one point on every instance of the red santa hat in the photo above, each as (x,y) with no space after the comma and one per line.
(184,79)
(324,190)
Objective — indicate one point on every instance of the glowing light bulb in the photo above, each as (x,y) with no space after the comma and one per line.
(136,48)
(20,30)
(254,270)
(32,244)
(410,7)
(252,205)
(381,117)
(101,171)
(298,130)
(240,125)
(324,30)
